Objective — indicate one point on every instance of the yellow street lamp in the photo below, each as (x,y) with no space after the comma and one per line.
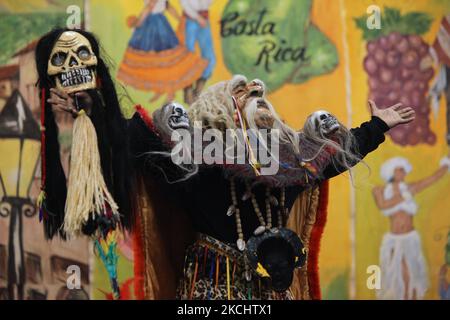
(19,154)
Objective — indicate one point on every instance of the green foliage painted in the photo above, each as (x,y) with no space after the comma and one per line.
(392,20)
(18,30)
(274,41)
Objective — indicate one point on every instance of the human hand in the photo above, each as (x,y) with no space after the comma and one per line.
(393,115)
(63,102)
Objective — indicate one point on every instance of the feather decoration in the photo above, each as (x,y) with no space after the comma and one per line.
(107,251)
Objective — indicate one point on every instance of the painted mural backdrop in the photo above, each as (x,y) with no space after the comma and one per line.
(30,267)
(312,54)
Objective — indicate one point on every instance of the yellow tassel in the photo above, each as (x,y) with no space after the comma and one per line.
(262,271)
(217,272)
(87,193)
(40,199)
(228,279)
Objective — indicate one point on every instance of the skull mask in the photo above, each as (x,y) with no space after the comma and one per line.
(324,123)
(178,118)
(72,63)
(170,117)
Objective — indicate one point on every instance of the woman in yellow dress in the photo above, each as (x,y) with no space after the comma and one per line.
(155,59)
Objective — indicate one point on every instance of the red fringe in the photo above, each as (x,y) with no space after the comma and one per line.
(314,243)
(43,173)
(125,292)
(139,261)
(98,83)
(145,116)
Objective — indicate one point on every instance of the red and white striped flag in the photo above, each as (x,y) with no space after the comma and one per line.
(442,43)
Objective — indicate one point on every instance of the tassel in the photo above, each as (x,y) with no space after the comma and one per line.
(40,203)
(211,272)
(228,279)
(217,270)
(205,256)
(259,288)
(87,193)
(234,271)
(194,278)
(253,162)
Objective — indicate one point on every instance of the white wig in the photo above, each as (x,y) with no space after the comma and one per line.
(214,108)
(388,168)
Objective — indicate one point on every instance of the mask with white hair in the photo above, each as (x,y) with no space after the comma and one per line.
(171,116)
(326,135)
(324,123)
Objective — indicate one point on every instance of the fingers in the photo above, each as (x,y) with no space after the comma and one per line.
(408,114)
(405,110)
(64,108)
(408,119)
(56,101)
(396,106)
(61,101)
(60,93)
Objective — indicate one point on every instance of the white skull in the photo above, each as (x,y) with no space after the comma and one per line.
(178,118)
(324,122)
(72,63)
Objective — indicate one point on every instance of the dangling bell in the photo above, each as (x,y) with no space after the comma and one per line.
(231,210)
(248,275)
(241,244)
(259,230)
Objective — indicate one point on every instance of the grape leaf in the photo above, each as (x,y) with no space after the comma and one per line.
(390,17)
(417,22)
(368,34)
(392,20)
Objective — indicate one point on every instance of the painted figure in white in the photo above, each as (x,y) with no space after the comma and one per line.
(403,268)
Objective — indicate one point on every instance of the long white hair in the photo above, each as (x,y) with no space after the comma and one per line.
(215,109)
(186,166)
(345,149)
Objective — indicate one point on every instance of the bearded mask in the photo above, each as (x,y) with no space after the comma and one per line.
(249,97)
(324,123)
(73,63)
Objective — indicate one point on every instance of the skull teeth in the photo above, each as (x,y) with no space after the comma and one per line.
(75,77)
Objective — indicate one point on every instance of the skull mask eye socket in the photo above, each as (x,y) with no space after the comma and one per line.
(324,123)
(84,53)
(177,116)
(58,59)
